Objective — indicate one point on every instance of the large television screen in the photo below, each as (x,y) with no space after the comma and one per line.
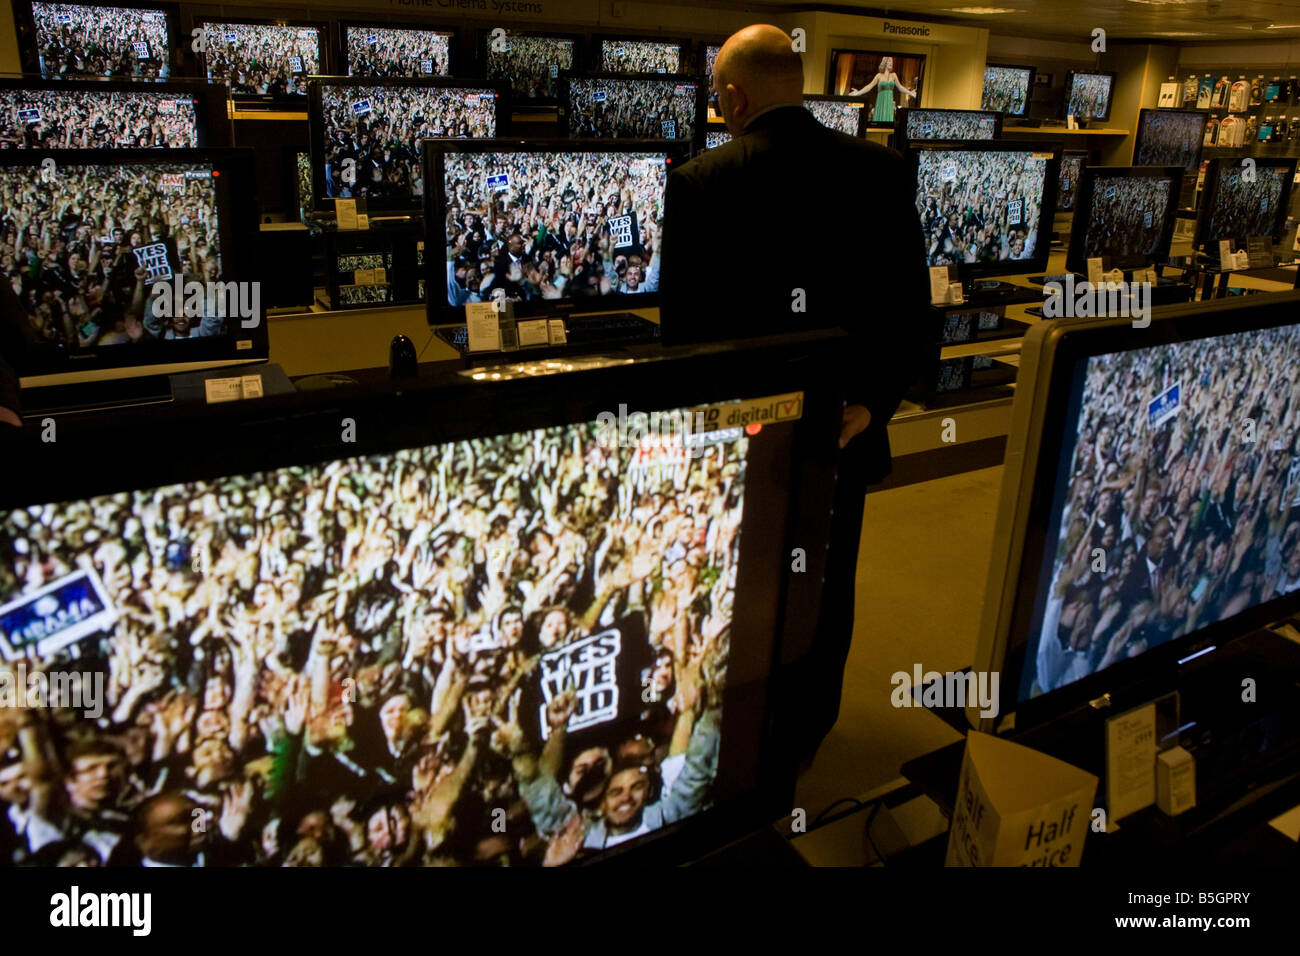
(1067,190)
(530,62)
(1241,200)
(842,114)
(885,81)
(372,50)
(711,51)
(549,222)
(70,114)
(1170,138)
(366,133)
(640,56)
(949,124)
(1008,89)
(1088,95)
(627,107)
(1125,214)
(262,59)
(73,39)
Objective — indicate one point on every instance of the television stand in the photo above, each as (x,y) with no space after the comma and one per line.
(95,396)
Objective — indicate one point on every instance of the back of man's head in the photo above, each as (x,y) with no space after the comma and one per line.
(760,64)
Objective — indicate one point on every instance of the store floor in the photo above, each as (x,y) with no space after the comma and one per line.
(922,567)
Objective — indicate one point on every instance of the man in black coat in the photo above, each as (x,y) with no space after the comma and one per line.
(732,267)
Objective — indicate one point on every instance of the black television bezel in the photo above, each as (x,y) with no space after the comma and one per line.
(29,51)
(1209,195)
(280,431)
(212,117)
(292,101)
(1029,91)
(238,227)
(453,45)
(483,48)
(1070,152)
(1064,343)
(1110,100)
(1190,169)
(828,98)
(437,311)
(901,139)
(830,78)
(696,139)
(974,270)
(1076,258)
(316,127)
(596,60)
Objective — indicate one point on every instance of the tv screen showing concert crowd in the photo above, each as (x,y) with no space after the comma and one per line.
(530,64)
(84,247)
(534,226)
(950,124)
(1128,216)
(75,40)
(397,52)
(631,108)
(1170,515)
(843,117)
(89,119)
(1247,201)
(1006,89)
(640,56)
(1170,138)
(502,650)
(261,59)
(1087,95)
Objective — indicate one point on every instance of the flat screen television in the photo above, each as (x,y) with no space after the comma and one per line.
(639,55)
(885,81)
(531,63)
(366,132)
(126,230)
(1088,94)
(1073,162)
(552,224)
(986,207)
(715,138)
(112,114)
(261,60)
(388,50)
(603,664)
(842,113)
(1124,214)
(1170,138)
(1007,89)
(1241,201)
(126,40)
(708,57)
(1135,528)
(624,106)
(914,124)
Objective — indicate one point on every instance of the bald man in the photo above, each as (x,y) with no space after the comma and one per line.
(794,226)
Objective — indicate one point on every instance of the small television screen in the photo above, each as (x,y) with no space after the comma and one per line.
(1088,95)
(640,56)
(949,124)
(128,239)
(1125,214)
(366,133)
(73,39)
(838,113)
(548,221)
(628,107)
(530,62)
(711,51)
(261,60)
(716,137)
(986,207)
(94,114)
(1241,201)
(1008,89)
(1170,138)
(387,51)
(884,81)
(1072,164)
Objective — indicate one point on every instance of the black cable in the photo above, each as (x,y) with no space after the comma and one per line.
(432,333)
(857,805)
(867,831)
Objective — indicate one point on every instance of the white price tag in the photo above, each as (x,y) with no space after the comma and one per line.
(252,386)
(223,389)
(555,328)
(483,329)
(938,285)
(533,332)
(1094,270)
(1227,261)
(345,211)
(1131,761)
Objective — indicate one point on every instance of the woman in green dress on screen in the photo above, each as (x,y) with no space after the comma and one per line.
(886,79)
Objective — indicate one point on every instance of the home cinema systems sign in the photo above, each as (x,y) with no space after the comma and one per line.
(486,6)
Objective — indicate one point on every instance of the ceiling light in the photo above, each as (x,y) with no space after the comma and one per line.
(1283,26)
(982,11)
(1176,33)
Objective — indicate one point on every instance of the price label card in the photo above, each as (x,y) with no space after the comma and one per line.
(955,296)
(345,211)
(533,332)
(1227,261)
(483,329)
(938,285)
(1094,270)
(251,385)
(363,221)
(1114,275)
(1131,761)
(555,329)
(223,389)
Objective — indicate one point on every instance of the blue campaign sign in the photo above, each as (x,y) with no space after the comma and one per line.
(1165,405)
(361,107)
(498,183)
(31,114)
(598,96)
(55,616)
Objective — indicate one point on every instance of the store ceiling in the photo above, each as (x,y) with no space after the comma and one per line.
(1176,21)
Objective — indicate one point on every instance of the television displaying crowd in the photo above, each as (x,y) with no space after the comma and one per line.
(979,206)
(1088,96)
(716,137)
(1175,516)
(1242,208)
(710,58)
(844,117)
(1067,181)
(258,59)
(379,128)
(385,661)
(1128,215)
(1005,90)
(949,124)
(74,40)
(552,225)
(640,56)
(531,64)
(387,51)
(78,249)
(1171,139)
(631,109)
(55,119)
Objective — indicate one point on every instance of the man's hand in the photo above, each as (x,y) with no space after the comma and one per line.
(856,419)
